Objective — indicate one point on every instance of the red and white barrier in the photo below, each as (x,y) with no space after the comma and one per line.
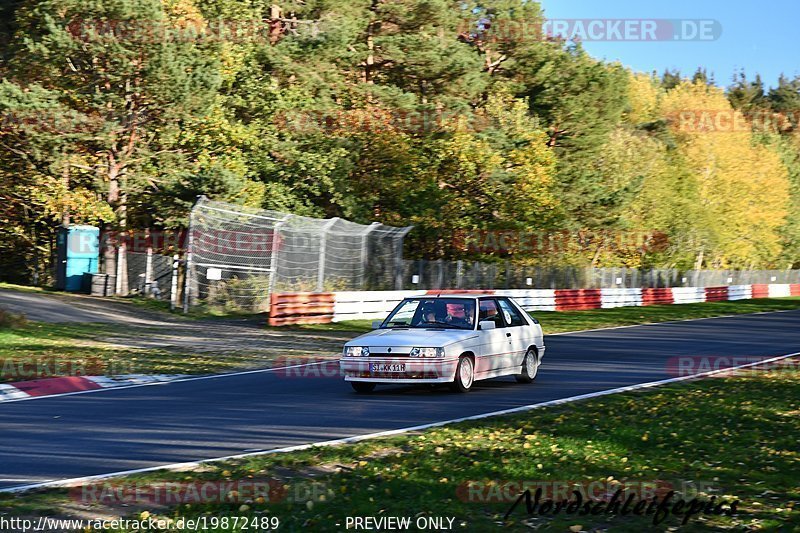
(760,290)
(351,305)
(622,297)
(657,296)
(780,290)
(292,308)
(716,294)
(369,305)
(532,299)
(373,305)
(740,292)
(688,295)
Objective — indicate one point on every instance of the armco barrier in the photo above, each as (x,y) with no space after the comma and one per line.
(740,292)
(578,299)
(760,290)
(301,308)
(655,296)
(716,294)
(688,295)
(620,297)
(373,305)
(369,305)
(532,299)
(779,290)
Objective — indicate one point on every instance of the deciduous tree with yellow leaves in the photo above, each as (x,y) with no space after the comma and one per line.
(743,187)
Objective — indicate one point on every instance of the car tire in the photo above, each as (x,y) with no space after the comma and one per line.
(362,387)
(530,367)
(465,375)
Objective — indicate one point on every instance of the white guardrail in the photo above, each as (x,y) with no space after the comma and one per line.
(373,305)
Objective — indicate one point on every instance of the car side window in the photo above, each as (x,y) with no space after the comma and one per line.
(489,310)
(511,314)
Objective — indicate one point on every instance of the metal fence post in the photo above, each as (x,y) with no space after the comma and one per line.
(398,257)
(364,256)
(148,270)
(188,274)
(398,273)
(273,259)
(173,291)
(322,246)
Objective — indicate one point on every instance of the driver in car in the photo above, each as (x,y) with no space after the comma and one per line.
(428,315)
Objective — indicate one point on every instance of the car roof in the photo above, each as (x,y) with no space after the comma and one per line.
(471,296)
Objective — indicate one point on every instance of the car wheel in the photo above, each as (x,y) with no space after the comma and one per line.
(530,367)
(465,375)
(362,387)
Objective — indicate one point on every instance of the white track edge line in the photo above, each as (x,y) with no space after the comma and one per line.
(388,433)
(156,383)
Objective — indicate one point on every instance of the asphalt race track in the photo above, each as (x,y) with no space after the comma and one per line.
(112,430)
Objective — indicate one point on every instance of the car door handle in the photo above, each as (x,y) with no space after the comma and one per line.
(508,334)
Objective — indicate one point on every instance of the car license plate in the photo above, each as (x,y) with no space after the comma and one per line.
(379,368)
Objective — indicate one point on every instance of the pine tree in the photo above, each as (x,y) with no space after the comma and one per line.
(785,98)
(670,79)
(746,95)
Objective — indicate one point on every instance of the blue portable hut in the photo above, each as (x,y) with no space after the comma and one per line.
(78,253)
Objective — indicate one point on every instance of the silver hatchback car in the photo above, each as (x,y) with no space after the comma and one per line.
(447,338)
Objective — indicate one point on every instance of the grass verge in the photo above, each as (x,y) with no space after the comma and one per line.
(24,288)
(729,438)
(38,350)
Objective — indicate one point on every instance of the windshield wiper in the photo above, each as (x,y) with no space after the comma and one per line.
(443,324)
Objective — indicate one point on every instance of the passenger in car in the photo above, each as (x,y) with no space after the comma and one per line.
(459,315)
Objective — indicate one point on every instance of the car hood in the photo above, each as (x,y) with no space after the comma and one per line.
(427,338)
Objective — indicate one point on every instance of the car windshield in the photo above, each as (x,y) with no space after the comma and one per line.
(448,313)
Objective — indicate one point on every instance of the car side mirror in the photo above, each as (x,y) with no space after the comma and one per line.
(376,324)
(486,324)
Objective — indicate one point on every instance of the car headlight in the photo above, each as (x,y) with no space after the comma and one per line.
(426,352)
(356,351)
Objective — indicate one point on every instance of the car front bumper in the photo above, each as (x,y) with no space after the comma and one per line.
(414,370)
